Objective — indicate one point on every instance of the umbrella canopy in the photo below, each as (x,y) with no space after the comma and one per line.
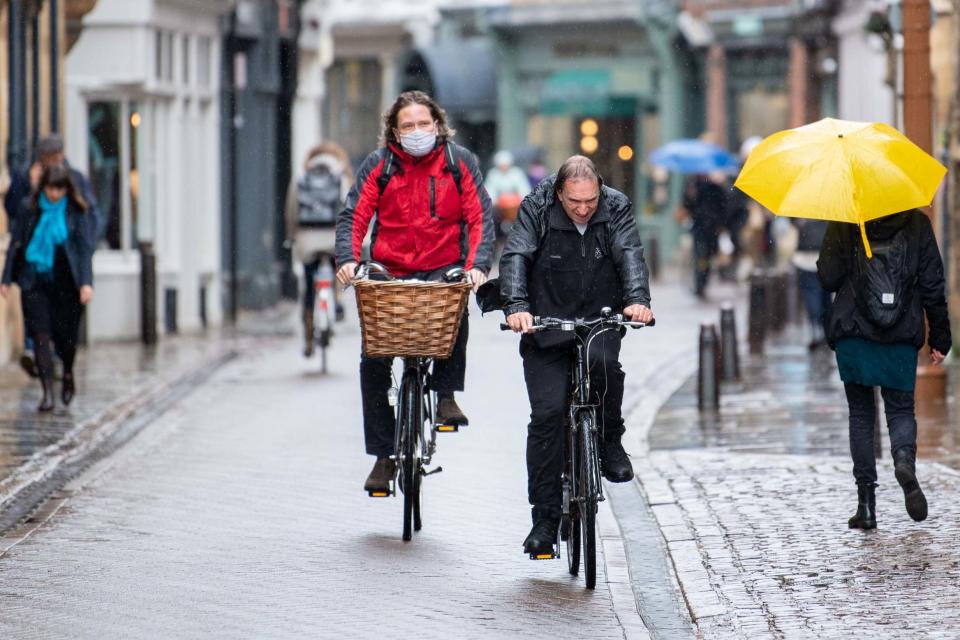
(840,170)
(693,156)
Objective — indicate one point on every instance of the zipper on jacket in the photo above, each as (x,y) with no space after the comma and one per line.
(433,198)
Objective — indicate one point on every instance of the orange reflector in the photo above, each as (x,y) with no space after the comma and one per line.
(445,427)
(378,494)
(544,556)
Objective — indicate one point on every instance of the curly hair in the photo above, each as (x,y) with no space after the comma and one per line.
(406,99)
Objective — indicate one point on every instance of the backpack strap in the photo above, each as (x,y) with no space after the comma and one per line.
(453,164)
(389,168)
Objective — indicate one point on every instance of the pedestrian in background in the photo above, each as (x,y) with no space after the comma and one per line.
(705,206)
(507,185)
(51,260)
(816,299)
(314,200)
(876,327)
(49,153)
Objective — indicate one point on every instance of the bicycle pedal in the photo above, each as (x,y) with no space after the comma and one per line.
(379,493)
(447,428)
(546,556)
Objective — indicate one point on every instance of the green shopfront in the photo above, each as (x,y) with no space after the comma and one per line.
(596,83)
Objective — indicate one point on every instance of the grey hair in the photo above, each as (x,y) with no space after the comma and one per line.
(576,168)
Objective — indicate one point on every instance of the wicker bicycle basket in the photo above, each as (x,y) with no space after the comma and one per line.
(409,318)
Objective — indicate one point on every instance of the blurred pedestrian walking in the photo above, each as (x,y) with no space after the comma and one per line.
(49,153)
(876,326)
(424,195)
(314,199)
(816,299)
(705,205)
(51,260)
(507,185)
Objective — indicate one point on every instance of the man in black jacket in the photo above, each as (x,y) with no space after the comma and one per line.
(573,250)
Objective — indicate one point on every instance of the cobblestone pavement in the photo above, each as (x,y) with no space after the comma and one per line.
(240,514)
(753,503)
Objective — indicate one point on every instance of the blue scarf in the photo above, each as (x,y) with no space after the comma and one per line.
(50,232)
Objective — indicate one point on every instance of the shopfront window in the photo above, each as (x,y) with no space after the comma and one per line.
(114,131)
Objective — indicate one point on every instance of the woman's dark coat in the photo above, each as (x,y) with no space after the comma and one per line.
(835,267)
(79,246)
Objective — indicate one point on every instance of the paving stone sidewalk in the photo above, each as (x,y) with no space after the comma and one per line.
(753,502)
(119,385)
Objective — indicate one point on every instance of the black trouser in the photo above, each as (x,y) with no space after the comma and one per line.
(704,247)
(375,379)
(901,423)
(52,311)
(309,273)
(547,373)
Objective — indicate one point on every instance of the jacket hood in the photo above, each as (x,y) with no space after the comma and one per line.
(888,226)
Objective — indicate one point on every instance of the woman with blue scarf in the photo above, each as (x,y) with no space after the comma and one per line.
(51,259)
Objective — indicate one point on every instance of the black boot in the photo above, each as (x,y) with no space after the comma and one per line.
(904,468)
(543,535)
(449,412)
(866,515)
(69,389)
(46,403)
(614,461)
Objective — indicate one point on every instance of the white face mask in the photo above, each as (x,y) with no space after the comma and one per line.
(419,143)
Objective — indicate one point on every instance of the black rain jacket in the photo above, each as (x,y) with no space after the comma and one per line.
(835,269)
(549,269)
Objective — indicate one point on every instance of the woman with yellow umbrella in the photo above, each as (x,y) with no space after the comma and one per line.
(881,258)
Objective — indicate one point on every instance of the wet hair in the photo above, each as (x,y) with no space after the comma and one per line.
(58,175)
(406,99)
(576,168)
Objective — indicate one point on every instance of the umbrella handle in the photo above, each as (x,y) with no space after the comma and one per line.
(866,243)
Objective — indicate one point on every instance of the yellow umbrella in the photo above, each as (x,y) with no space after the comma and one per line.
(840,170)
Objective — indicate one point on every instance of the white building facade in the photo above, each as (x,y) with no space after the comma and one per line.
(863,92)
(143,114)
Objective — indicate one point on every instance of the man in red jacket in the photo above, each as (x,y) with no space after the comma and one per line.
(431,213)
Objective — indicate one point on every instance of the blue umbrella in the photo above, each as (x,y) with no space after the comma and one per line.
(693,156)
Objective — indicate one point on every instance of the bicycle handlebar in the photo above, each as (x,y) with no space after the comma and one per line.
(558,324)
(455,274)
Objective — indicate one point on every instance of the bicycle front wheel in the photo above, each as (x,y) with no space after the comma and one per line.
(589,492)
(411,414)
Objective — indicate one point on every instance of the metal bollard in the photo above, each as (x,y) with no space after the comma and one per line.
(148,294)
(653,256)
(775,301)
(757,329)
(708,380)
(729,355)
(794,304)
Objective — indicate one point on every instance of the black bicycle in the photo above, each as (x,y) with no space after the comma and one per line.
(415,436)
(582,489)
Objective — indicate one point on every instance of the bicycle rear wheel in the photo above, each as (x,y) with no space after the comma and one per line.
(410,453)
(589,490)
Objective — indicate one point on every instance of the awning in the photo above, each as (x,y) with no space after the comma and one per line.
(583,92)
(461,76)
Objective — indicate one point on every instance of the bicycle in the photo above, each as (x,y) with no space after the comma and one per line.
(415,436)
(324,307)
(580,482)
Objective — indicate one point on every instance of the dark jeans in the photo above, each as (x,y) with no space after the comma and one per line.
(816,299)
(547,373)
(704,248)
(901,424)
(375,379)
(52,313)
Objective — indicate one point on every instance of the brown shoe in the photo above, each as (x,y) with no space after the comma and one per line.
(449,413)
(381,476)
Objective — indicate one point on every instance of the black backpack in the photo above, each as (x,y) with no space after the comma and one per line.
(883,285)
(318,197)
(391,164)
